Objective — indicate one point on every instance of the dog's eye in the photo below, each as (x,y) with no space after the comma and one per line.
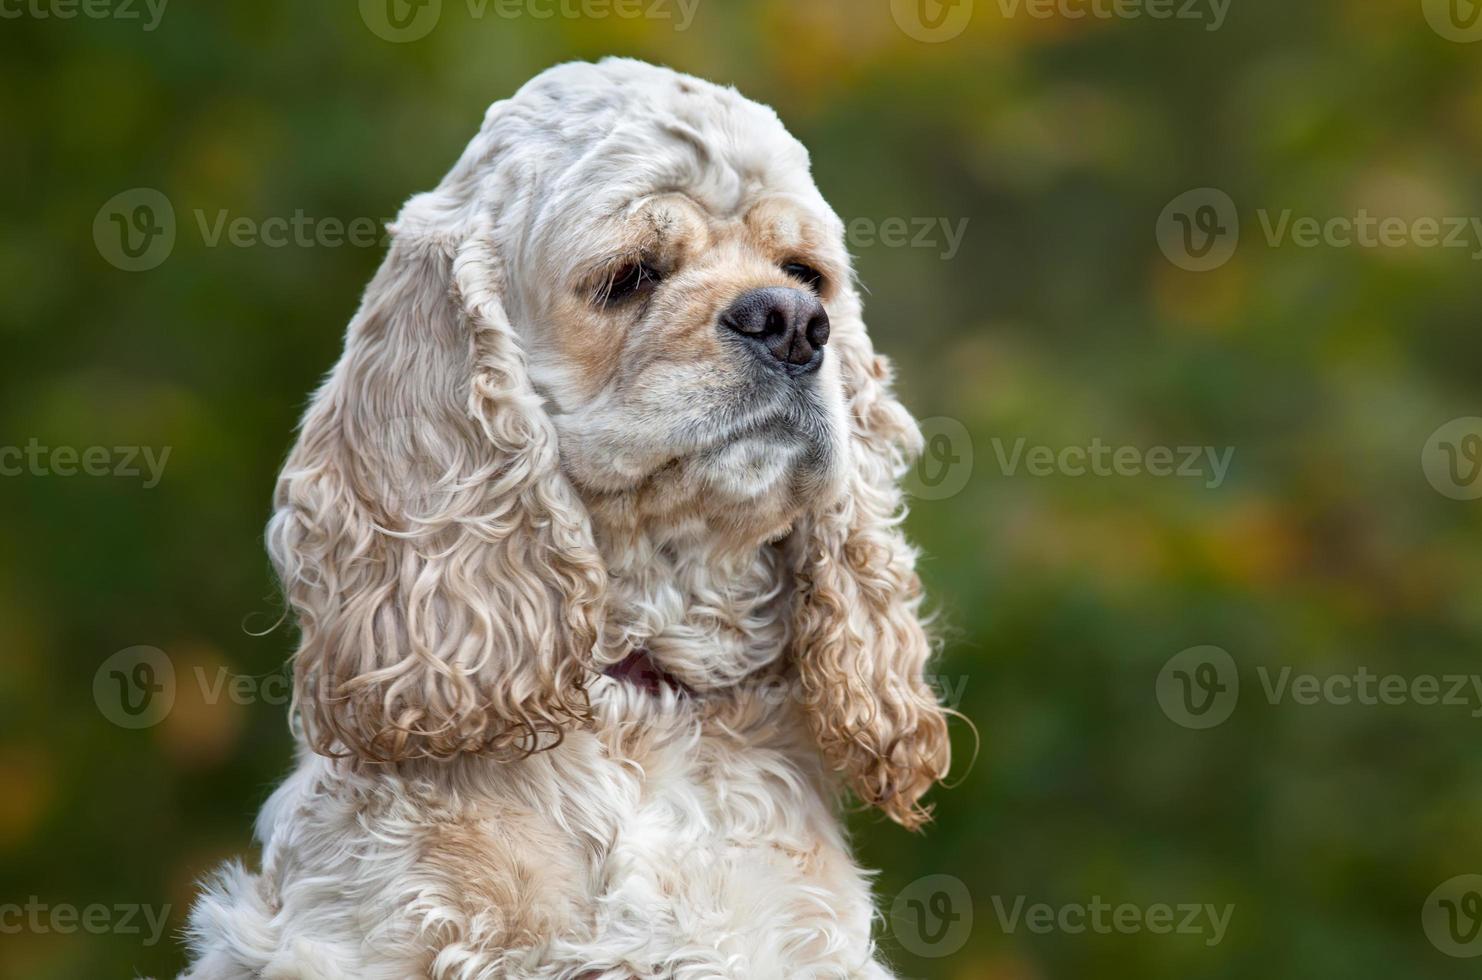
(628,281)
(805,274)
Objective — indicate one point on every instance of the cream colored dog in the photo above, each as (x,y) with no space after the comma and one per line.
(593,536)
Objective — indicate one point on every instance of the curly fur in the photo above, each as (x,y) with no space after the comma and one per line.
(507,485)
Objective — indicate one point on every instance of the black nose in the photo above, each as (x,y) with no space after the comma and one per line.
(789,325)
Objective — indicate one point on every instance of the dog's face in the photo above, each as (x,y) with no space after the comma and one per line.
(674,300)
(687,365)
(626,310)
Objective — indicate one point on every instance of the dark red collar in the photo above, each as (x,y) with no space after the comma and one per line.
(638,668)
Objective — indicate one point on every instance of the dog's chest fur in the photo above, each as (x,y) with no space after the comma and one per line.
(680,848)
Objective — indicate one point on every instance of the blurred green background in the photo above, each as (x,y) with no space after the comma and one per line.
(1058,320)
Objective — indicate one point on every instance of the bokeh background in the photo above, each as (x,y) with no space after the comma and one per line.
(1056,145)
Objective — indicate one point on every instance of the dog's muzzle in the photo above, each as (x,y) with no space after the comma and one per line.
(785,327)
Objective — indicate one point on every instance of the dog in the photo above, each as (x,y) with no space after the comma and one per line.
(593,539)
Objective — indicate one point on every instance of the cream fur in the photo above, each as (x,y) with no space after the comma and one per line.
(506,485)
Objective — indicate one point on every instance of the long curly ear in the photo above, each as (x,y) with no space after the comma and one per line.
(861,645)
(440,566)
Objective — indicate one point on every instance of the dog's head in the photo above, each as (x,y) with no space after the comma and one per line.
(626,310)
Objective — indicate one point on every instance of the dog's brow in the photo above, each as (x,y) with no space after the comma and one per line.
(787,227)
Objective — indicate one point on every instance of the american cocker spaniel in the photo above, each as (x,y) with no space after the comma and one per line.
(593,539)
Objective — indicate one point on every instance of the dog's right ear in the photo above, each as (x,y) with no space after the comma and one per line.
(441,567)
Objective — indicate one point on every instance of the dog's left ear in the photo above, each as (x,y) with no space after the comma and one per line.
(861,645)
(442,569)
